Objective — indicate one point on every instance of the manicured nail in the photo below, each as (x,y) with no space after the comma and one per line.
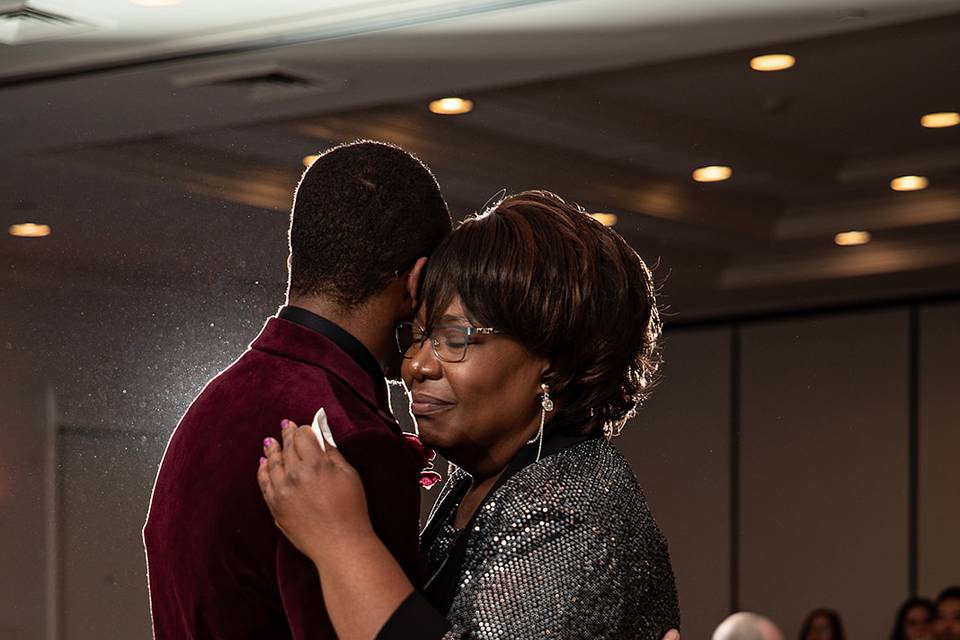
(262,460)
(284,424)
(266,442)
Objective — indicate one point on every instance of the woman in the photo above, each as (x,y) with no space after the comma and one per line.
(822,624)
(536,342)
(914,620)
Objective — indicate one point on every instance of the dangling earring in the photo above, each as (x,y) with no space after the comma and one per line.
(546,405)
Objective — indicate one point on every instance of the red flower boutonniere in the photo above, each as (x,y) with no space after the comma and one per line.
(428,477)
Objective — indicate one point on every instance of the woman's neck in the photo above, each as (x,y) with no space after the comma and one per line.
(474,497)
(488,471)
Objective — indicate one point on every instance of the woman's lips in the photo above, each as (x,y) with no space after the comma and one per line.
(422,404)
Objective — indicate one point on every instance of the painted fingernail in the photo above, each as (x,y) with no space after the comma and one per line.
(284,423)
(267,441)
(262,460)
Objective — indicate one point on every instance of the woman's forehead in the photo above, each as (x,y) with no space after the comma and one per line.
(454,312)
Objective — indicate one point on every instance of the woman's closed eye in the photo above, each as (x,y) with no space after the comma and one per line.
(452,337)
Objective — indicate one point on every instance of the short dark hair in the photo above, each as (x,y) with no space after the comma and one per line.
(568,289)
(950,593)
(362,211)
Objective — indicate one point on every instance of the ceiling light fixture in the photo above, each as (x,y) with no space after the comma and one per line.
(451,106)
(772,62)
(852,238)
(309,160)
(909,183)
(606,219)
(713,173)
(940,120)
(29,230)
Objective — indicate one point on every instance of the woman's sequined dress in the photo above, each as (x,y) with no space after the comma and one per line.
(566,548)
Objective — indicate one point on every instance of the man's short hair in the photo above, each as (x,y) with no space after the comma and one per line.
(363,211)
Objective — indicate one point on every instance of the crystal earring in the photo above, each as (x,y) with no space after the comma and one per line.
(546,405)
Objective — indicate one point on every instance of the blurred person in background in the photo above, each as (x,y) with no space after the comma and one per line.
(747,626)
(946,625)
(822,624)
(914,620)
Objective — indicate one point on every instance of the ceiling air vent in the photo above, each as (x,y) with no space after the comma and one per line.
(24,22)
(262,83)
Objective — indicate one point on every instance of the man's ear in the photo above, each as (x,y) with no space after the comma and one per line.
(413,282)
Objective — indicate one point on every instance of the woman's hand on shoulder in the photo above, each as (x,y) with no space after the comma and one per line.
(315,495)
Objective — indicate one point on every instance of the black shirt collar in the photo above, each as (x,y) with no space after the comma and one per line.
(350,345)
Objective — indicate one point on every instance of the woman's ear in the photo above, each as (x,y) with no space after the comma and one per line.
(546,368)
(546,372)
(413,282)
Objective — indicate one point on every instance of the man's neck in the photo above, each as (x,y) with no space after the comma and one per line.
(365,323)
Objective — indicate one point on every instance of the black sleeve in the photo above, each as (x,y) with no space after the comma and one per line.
(415,618)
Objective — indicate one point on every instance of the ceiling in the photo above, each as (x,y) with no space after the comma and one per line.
(161,148)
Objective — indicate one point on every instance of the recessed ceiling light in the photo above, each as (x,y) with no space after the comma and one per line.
(773,62)
(29,230)
(309,160)
(940,120)
(852,238)
(451,106)
(909,183)
(713,173)
(606,219)
(156,3)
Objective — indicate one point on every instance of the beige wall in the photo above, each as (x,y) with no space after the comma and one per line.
(824,468)
(28,550)
(105,482)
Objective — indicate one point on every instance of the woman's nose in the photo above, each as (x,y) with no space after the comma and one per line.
(424,363)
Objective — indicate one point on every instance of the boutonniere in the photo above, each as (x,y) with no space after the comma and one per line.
(428,476)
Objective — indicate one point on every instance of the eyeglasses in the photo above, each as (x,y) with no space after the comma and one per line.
(449,341)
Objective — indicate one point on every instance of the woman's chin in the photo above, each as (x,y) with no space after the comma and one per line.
(426,437)
(430,436)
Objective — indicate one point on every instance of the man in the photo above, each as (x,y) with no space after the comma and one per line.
(747,626)
(946,626)
(365,216)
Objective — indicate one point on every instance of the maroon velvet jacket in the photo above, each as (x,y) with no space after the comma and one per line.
(218,567)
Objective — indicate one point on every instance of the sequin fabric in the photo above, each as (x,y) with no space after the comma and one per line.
(433,558)
(565,549)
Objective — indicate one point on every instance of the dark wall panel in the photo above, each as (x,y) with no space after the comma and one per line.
(824,468)
(938,524)
(28,554)
(105,481)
